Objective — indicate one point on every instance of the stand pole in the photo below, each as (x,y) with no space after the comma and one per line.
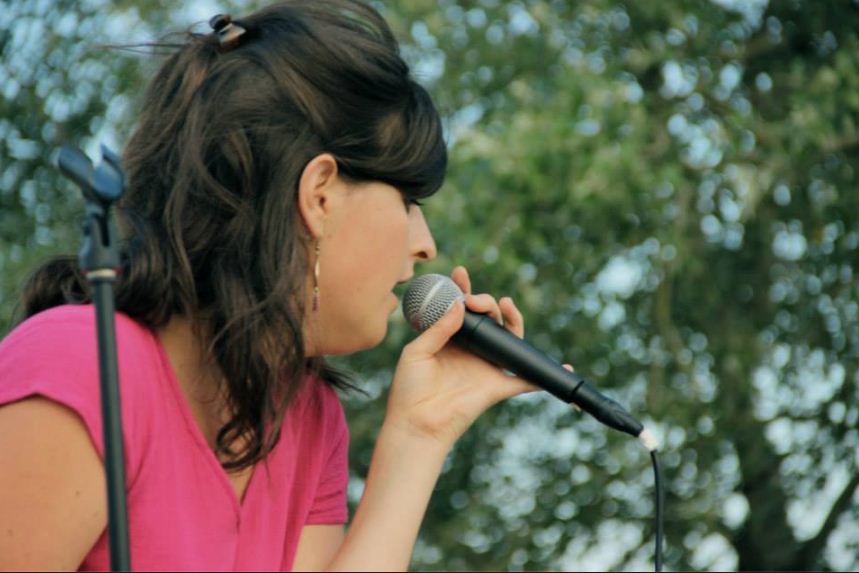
(99,259)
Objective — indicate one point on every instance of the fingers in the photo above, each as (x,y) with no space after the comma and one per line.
(517,386)
(571,369)
(513,319)
(484,304)
(503,312)
(461,278)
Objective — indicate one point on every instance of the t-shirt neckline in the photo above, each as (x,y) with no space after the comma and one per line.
(196,433)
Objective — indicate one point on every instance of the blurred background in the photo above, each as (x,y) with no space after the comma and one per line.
(668,189)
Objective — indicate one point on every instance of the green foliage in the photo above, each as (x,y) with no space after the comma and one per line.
(669,192)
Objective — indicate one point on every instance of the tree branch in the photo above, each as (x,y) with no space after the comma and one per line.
(841,145)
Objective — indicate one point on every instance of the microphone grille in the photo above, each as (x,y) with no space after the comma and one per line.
(428,298)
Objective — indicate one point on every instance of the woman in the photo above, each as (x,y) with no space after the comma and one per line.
(271,206)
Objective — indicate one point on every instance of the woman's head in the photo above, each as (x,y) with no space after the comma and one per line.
(247,156)
(226,134)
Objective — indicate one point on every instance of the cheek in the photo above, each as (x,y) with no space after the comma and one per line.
(380,241)
(364,262)
(360,267)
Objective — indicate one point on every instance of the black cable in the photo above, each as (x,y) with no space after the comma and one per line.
(660,499)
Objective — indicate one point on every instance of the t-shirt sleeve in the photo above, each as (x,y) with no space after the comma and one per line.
(47,356)
(330,502)
(54,355)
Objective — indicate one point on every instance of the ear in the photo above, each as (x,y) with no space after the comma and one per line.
(318,188)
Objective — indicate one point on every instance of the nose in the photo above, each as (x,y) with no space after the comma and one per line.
(421,244)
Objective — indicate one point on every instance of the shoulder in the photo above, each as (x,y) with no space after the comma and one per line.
(50,403)
(54,354)
(317,405)
(325,399)
(63,342)
(68,328)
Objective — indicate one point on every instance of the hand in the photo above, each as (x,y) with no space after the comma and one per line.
(438,389)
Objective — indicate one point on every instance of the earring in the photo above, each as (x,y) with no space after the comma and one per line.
(316,280)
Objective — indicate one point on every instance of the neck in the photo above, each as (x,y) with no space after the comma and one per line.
(196,374)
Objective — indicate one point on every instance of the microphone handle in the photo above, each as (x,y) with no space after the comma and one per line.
(481,335)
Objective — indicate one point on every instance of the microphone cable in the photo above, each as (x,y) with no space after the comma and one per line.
(660,501)
(649,441)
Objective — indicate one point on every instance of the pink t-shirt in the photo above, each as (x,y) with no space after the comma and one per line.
(183,511)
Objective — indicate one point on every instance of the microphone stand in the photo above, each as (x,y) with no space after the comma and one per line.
(99,260)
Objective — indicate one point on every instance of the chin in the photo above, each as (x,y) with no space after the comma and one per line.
(358,341)
(375,340)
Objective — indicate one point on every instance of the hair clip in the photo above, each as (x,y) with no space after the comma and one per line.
(228,32)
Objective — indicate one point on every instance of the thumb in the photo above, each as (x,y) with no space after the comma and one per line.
(434,338)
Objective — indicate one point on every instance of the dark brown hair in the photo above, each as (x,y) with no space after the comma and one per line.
(209,215)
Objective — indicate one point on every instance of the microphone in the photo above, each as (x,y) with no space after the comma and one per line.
(430,296)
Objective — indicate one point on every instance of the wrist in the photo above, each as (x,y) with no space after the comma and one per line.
(405,435)
(400,481)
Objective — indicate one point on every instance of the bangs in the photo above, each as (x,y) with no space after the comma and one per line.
(411,154)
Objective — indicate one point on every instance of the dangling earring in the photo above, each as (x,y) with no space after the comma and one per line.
(316,280)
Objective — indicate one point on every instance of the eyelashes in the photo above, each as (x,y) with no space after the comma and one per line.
(410,202)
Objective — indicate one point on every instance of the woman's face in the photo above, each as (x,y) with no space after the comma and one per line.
(371,241)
